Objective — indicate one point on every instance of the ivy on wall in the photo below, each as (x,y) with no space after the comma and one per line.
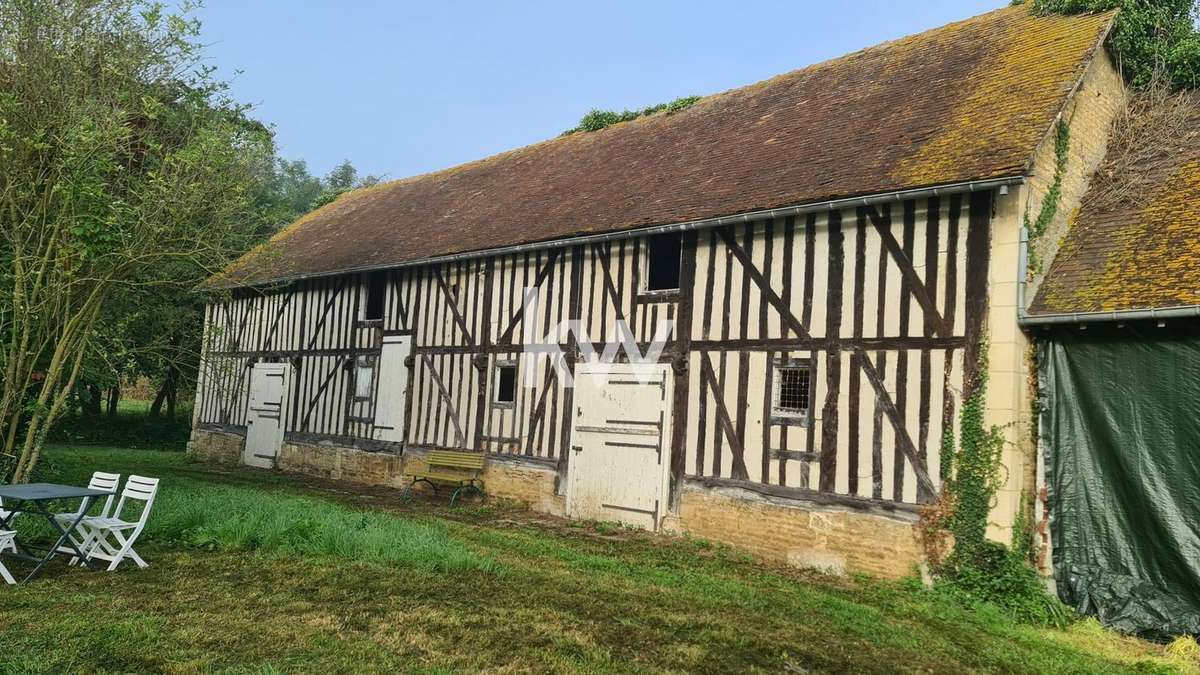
(1053,196)
(976,568)
(977,474)
(946,468)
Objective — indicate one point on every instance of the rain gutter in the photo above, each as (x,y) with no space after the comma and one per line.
(1070,318)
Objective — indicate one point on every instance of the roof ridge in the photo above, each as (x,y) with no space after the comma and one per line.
(962,102)
(705,100)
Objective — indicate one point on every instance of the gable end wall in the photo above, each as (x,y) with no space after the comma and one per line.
(1099,99)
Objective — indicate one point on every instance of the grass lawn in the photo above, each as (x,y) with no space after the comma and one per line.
(254,571)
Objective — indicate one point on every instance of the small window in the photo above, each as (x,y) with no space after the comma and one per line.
(506,384)
(793,392)
(376,292)
(662,262)
(364,378)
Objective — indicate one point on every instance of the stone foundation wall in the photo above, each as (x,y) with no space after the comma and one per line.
(532,485)
(506,479)
(834,538)
(340,463)
(222,447)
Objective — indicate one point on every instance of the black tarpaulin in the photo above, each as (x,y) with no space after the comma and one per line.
(1121,430)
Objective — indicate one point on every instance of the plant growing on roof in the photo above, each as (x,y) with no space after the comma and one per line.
(597,119)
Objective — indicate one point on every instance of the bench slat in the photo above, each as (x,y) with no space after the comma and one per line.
(463,460)
(440,477)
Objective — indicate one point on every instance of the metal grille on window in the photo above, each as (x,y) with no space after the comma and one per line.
(793,391)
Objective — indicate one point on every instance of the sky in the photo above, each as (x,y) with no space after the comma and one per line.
(404,88)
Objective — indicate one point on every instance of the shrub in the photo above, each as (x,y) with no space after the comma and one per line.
(129,428)
(596,119)
(995,574)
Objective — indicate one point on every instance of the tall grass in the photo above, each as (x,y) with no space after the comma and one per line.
(227,517)
(197,513)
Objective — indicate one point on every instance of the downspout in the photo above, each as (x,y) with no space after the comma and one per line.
(1041,512)
(1022,275)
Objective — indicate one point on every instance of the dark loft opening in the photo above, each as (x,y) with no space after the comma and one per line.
(506,383)
(376,287)
(664,259)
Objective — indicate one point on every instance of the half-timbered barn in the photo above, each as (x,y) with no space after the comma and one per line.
(831,252)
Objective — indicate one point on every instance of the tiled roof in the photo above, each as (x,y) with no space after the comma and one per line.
(967,101)
(1131,256)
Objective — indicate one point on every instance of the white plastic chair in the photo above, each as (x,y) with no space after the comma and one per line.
(100,481)
(7,542)
(7,516)
(123,533)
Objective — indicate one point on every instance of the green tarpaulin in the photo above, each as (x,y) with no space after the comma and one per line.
(1121,430)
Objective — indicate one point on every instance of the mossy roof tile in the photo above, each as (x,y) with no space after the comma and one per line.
(1134,255)
(967,101)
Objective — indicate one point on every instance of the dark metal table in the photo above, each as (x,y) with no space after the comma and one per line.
(33,498)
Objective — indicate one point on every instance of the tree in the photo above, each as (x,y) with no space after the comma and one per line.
(145,330)
(123,167)
(154,331)
(296,190)
(344,178)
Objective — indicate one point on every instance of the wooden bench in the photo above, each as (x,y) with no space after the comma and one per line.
(450,468)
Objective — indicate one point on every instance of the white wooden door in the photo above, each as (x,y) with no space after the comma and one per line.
(391,401)
(620,447)
(269,383)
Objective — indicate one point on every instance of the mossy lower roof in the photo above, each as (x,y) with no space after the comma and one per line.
(967,101)
(1134,256)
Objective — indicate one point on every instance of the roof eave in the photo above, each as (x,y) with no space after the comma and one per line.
(699,224)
